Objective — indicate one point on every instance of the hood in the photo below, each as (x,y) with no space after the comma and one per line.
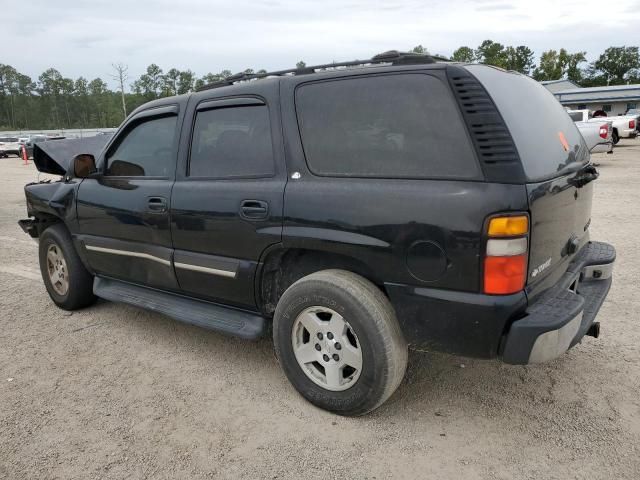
(54,156)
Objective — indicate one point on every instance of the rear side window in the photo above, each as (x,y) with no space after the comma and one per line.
(232,142)
(548,142)
(391,126)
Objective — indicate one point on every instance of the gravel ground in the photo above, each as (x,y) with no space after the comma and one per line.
(116,392)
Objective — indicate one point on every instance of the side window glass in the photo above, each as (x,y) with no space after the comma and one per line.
(146,151)
(387,126)
(232,142)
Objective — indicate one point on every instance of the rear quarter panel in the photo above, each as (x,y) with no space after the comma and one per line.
(378,221)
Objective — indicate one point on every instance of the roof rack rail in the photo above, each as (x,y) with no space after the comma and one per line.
(392,57)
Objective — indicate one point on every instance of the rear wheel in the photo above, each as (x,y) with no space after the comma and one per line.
(339,342)
(68,283)
(615,137)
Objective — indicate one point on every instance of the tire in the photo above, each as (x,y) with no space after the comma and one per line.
(365,325)
(615,137)
(56,246)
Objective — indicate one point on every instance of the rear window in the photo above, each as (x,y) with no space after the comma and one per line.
(391,126)
(548,142)
(576,117)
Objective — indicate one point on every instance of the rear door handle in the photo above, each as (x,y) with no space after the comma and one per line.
(157,204)
(254,209)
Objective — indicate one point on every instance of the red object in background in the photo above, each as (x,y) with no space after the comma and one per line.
(24,155)
(632,124)
(604,131)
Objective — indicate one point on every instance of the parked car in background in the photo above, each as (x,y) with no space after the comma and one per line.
(9,146)
(597,135)
(332,210)
(624,126)
(635,112)
(38,138)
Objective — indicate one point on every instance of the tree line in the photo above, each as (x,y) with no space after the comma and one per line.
(53,101)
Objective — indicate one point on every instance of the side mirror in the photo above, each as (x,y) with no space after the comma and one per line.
(84,165)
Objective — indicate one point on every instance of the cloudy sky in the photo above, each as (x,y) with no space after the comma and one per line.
(84,37)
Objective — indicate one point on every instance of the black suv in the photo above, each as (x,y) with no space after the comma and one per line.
(354,209)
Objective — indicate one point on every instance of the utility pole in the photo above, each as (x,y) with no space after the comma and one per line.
(121,76)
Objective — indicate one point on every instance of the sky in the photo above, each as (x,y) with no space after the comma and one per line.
(83,38)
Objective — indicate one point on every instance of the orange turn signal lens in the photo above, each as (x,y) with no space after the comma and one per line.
(509,226)
(504,275)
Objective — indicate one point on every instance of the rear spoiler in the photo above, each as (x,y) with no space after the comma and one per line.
(54,156)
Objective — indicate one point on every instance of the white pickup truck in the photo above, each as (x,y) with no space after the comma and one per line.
(597,135)
(624,126)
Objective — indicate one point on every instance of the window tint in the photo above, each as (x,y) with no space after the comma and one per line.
(146,151)
(537,125)
(232,142)
(384,126)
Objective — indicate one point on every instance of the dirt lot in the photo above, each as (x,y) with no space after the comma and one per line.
(117,392)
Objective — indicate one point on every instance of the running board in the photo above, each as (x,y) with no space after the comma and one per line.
(195,312)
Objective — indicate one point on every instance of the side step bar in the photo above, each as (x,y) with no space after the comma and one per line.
(195,312)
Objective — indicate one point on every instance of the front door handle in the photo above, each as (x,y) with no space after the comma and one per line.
(157,204)
(254,209)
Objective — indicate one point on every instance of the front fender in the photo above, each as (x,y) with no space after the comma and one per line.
(57,199)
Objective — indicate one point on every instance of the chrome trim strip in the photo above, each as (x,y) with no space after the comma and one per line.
(212,271)
(128,253)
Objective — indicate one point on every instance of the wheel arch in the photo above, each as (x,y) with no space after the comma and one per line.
(281,267)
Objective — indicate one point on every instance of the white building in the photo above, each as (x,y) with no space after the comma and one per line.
(614,100)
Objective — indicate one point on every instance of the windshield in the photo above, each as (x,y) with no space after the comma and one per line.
(548,142)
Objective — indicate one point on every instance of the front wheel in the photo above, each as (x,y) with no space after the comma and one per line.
(339,342)
(615,137)
(68,282)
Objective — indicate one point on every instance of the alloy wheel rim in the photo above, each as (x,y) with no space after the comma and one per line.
(326,348)
(57,270)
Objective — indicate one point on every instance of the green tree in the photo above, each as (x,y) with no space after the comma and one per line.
(618,65)
(49,83)
(186,79)
(81,88)
(66,94)
(170,82)
(420,49)
(212,78)
(300,65)
(8,90)
(98,90)
(464,54)
(492,53)
(555,65)
(519,59)
(150,84)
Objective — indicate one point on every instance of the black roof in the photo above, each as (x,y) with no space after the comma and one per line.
(392,57)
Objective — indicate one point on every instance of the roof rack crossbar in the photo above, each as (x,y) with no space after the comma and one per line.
(392,57)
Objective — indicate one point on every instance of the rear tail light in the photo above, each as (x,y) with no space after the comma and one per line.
(632,124)
(505,263)
(604,131)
